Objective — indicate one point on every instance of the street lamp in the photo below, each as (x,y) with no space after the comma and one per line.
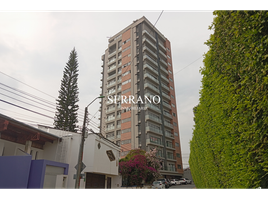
(81,149)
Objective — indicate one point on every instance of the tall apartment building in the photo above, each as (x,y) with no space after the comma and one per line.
(138,63)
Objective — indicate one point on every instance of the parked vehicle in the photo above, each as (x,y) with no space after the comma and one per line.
(188,181)
(169,182)
(164,181)
(158,185)
(175,181)
(183,181)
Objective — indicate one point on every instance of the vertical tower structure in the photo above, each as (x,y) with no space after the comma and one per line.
(138,64)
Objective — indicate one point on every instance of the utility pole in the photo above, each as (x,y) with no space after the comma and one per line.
(81,149)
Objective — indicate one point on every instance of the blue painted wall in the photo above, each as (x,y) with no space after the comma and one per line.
(23,172)
(14,171)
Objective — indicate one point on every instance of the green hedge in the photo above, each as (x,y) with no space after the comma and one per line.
(229,148)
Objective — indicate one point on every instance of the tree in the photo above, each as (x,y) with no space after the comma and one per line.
(139,167)
(66,112)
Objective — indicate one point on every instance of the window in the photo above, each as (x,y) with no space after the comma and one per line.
(126,130)
(125,91)
(126,141)
(174,114)
(126,73)
(175,124)
(178,155)
(177,144)
(171,87)
(126,41)
(171,79)
(176,134)
(172,96)
(126,120)
(179,166)
(173,105)
(168,56)
(170,71)
(126,49)
(125,65)
(155,140)
(125,82)
(169,64)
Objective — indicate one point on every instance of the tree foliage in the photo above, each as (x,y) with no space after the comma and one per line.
(66,112)
(229,144)
(140,167)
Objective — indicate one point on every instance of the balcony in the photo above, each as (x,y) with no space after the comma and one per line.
(151,60)
(111,54)
(111,61)
(118,136)
(153,107)
(164,55)
(155,119)
(156,89)
(150,43)
(147,75)
(164,69)
(150,51)
(147,33)
(152,69)
(111,84)
(164,78)
(118,126)
(111,68)
(158,143)
(168,115)
(110,110)
(166,105)
(112,76)
(162,46)
(163,62)
(171,169)
(171,157)
(110,128)
(154,130)
(168,134)
(110,119)
(169,125)
(170,146)
(166,96)
(165,87)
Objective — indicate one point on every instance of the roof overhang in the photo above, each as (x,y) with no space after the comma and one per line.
(18,132)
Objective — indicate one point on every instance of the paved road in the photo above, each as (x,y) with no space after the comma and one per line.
(188,186)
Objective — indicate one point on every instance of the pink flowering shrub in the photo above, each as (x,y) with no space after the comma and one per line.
(139,167)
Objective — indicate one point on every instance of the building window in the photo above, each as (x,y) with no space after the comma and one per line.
(126,120)
(169,64)
(168,56)
(178,155)
(126,130)
(171,87)
(170,71)
(174,114)
(155,140)
(171,79)
(172,96)
(126,73)
(177,144)
(126,49)
(175,124)
(125,82)
(176,134)
(173,105)
(126,141)
(179,166)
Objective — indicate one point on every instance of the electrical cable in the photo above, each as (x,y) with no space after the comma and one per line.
(26,109)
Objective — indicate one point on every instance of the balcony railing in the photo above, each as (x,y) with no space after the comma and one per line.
(169,145)
(110,128)
(153,118)
(168,115)
(167,105)
(111,54)
(152,87)
(170,156)
(148,141)
(151,77)
(154,130)
(146,40)
(165,95)
(165,78)
(110,110)
(168,134)
(110,119)
(111,61)
(152,60)
(111,68)
(168,125)
(152,37)
(164,69)
(149,50)
(112,76)
(165,87)
(152,69)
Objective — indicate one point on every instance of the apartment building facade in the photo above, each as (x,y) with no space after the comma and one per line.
(138,76)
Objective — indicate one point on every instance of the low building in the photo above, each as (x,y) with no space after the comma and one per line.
(46,158)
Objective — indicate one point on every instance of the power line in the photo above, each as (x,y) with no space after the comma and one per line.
(26,109)
(27,85)
(188,65)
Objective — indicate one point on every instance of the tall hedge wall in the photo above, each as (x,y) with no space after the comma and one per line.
(229,148)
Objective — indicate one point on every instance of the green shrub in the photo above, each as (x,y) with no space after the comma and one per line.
(229,144)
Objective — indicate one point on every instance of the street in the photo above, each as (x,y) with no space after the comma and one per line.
(188,186)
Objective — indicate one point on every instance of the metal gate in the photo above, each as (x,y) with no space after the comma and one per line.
(95,181)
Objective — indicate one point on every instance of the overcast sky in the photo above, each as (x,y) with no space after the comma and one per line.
(35,46)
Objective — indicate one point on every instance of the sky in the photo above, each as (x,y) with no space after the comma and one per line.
(35,46)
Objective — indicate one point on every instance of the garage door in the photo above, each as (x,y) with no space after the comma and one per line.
(95,181)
